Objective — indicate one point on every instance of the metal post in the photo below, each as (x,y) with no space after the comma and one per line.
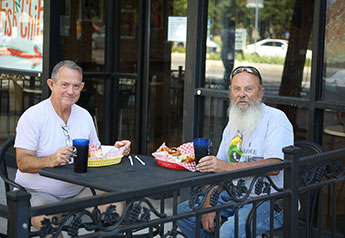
(291,176)
(256,25)
(18,223)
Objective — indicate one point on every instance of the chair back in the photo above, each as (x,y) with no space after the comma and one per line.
(309,148)
(8,165)
(309,202)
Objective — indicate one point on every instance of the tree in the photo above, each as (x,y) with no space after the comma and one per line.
(300,33)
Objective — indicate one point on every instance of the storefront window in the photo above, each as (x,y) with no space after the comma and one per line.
(84,33)
(167,67)
(129,36)
(263,34)
(17,93)
(334,71)
(334,74)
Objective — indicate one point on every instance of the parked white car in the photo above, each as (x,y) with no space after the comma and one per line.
(271,48)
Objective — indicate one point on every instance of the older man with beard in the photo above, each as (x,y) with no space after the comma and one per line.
(255,135)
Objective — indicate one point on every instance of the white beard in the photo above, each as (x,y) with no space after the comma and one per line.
(245,120)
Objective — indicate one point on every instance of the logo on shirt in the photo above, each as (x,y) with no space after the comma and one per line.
(235,151)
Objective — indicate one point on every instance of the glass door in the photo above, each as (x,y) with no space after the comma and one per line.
(102,37)
(106,39)
(167,66)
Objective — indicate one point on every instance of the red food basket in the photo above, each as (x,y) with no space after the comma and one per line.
(169,165)
(165,160)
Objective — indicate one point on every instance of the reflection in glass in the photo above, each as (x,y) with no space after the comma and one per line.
(128,51)
(17,93)
(334,73)
(166,86)
(334,130)
(92,99)
(84,35)
(228,51)
(277,48)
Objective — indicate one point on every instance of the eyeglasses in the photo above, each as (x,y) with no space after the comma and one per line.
(248,69)
(66,132)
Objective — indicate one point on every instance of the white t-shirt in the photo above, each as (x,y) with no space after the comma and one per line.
(273,133)
(40,129)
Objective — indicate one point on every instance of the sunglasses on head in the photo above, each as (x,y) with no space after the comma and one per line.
(248,69)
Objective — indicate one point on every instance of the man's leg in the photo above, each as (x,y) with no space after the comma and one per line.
(188,225)
(39,199)
(262,222)
(86,192)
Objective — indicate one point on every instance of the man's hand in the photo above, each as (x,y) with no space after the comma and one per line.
(28,162)
(126,144)
(62,155)
(208,221)
(212,164)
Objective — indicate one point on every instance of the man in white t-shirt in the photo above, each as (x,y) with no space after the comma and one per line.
(255,135)
(44,136)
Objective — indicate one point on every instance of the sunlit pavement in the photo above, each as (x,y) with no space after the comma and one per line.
(3,222)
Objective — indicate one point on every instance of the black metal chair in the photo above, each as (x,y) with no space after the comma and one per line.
(8,170)
(8,165)
(307,214)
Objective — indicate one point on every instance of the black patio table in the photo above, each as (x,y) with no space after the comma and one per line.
(124,177)
(121,177)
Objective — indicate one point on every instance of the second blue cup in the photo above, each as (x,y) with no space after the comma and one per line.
(201,148)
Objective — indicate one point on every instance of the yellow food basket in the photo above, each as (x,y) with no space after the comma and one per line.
(103,162)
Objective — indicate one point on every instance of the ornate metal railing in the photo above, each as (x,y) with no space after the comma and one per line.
(319,172)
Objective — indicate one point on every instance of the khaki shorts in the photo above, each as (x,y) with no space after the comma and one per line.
(39,198)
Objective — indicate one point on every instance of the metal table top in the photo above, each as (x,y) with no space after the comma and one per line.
(121,177)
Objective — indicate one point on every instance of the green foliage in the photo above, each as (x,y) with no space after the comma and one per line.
(178,49)
(180,8)
(254,58)
(213,56)
(274,18)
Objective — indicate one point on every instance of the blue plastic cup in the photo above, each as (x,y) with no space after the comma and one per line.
(201,148)
(81,153)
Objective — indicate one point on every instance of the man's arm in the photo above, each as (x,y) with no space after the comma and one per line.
(28,162)
(213,164)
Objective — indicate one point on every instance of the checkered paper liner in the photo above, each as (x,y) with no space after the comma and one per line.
(108,151)
(93,149)
(185,149)
(110,155)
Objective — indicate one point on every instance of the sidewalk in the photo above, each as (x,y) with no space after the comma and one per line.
(3,222)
